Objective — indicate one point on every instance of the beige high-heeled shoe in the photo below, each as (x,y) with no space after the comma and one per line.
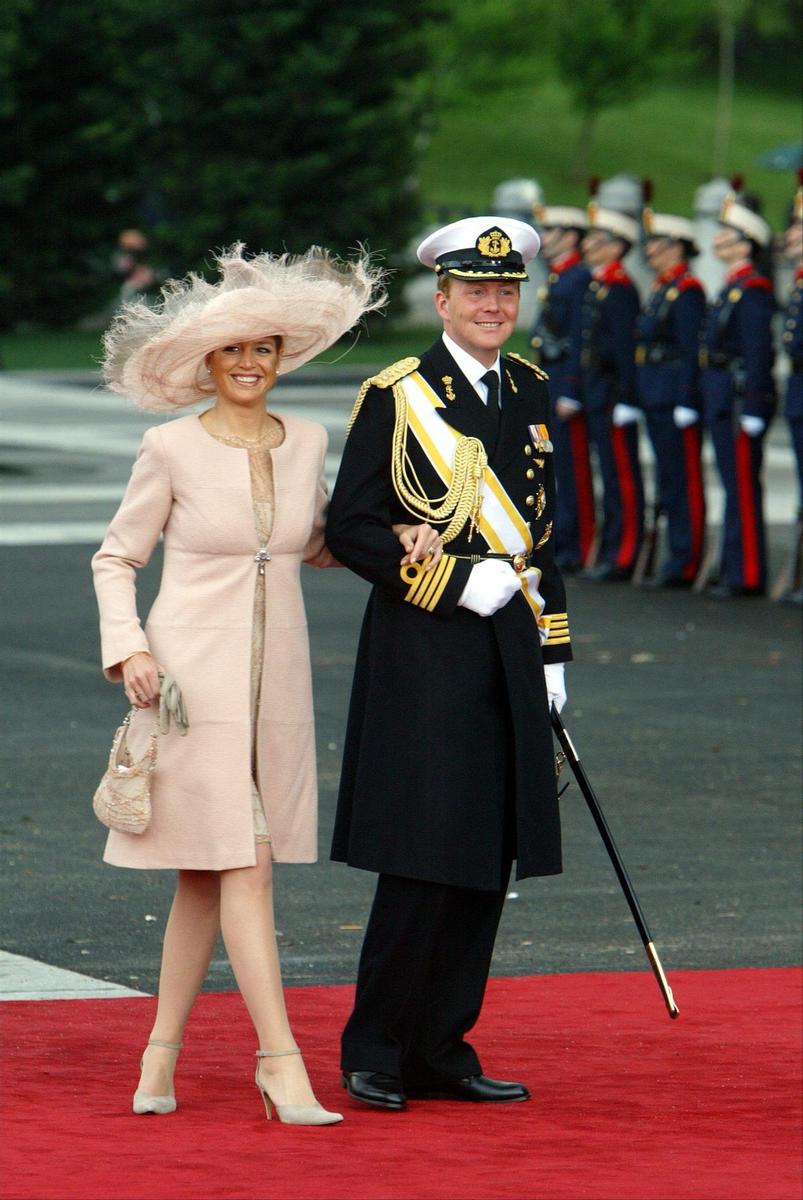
(294,1114)
(144,1102)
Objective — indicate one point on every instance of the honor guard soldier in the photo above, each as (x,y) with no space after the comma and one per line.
(668,374)
(792,343)
(739,395)
(448,767)
(607,358)
(556,341)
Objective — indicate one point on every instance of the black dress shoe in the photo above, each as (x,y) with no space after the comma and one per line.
(660,582)
(376,1089)
(725,591)
(608,573)
(478,1088)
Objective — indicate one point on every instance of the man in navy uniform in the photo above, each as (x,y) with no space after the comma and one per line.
(739,395)
(792,342)
(607,357)
(667,357)
(556,340)
(448,769)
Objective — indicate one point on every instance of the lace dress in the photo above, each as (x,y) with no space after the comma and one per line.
(262,494)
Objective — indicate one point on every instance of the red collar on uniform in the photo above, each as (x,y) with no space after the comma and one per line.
(612,272)
(798,274)
(570,259)
(742,272)
(671,274)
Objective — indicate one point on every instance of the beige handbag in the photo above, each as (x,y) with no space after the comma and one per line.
(122,800)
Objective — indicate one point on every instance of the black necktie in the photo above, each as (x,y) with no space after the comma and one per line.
(491,381)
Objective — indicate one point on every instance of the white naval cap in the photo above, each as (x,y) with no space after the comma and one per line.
(481,248)
(668,225)
(560,216)
(741,218)
(610,220)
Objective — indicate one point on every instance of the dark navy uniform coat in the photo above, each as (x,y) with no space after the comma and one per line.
(448,767)
(737,347)
(556,334)
(668,342)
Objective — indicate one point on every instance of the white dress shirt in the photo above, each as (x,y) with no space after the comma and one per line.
(472,369)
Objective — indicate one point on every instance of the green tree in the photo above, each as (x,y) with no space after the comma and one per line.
(605,52)
(766,21)
(58,145)
(212,121)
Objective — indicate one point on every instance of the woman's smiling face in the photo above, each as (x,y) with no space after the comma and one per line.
(244,372)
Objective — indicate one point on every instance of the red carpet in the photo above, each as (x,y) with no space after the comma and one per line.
(628,1105)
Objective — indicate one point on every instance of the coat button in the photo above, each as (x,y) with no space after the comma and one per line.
(530,473)
(530,501)
(528,450)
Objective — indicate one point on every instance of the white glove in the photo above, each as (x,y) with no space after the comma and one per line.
(555,685)
(567,407)
(490,585)
(684,417)
(752,426)
(625,414)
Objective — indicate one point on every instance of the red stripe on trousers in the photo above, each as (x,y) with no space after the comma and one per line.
(627,489)
(748,517)
(584,486)
(695,493)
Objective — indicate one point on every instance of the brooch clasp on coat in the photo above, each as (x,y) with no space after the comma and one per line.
(261,557)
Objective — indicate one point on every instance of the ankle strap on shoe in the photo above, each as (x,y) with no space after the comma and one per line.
(276,1053)
(167,1045)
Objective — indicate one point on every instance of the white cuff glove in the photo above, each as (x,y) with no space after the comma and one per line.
(625,414)
(684,417)
(490,585)
(555,685)
(752,426)
(566,403)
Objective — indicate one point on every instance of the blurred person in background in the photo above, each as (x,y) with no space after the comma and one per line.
(668,373)
(555,339)
(739,395)
(608,390)
(792,345)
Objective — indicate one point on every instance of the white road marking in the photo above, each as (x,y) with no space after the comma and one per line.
(53,533)
(27,979)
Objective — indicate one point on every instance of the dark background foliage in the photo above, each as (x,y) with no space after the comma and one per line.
(202,122)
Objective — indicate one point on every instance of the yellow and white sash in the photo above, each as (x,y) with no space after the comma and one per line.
(501,524)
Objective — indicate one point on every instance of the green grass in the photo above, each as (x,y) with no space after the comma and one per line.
(63,349)
(666,136)
(81,351)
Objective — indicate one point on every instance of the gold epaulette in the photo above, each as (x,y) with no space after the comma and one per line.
(385,378)
(525,362)
(396,371)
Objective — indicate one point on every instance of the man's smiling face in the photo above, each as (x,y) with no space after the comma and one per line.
(479,316)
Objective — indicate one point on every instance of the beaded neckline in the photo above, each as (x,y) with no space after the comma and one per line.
(270,439)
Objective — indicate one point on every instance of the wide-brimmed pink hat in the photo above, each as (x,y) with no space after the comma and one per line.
(155,355)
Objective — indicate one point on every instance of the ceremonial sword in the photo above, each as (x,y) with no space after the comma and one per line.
(616,858)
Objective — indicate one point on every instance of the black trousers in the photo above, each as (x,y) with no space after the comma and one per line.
(421,981)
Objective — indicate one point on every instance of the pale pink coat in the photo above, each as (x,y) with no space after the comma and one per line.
(197,491)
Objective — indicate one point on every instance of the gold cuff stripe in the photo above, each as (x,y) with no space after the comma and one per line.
(558,628)
(431,580)
(422,579)
(427,586)
(445,577)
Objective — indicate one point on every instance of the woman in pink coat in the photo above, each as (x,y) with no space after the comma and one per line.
(239,496)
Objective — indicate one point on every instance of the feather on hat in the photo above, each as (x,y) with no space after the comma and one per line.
(155,355)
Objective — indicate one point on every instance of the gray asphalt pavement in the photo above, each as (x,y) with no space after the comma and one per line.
(686,712)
